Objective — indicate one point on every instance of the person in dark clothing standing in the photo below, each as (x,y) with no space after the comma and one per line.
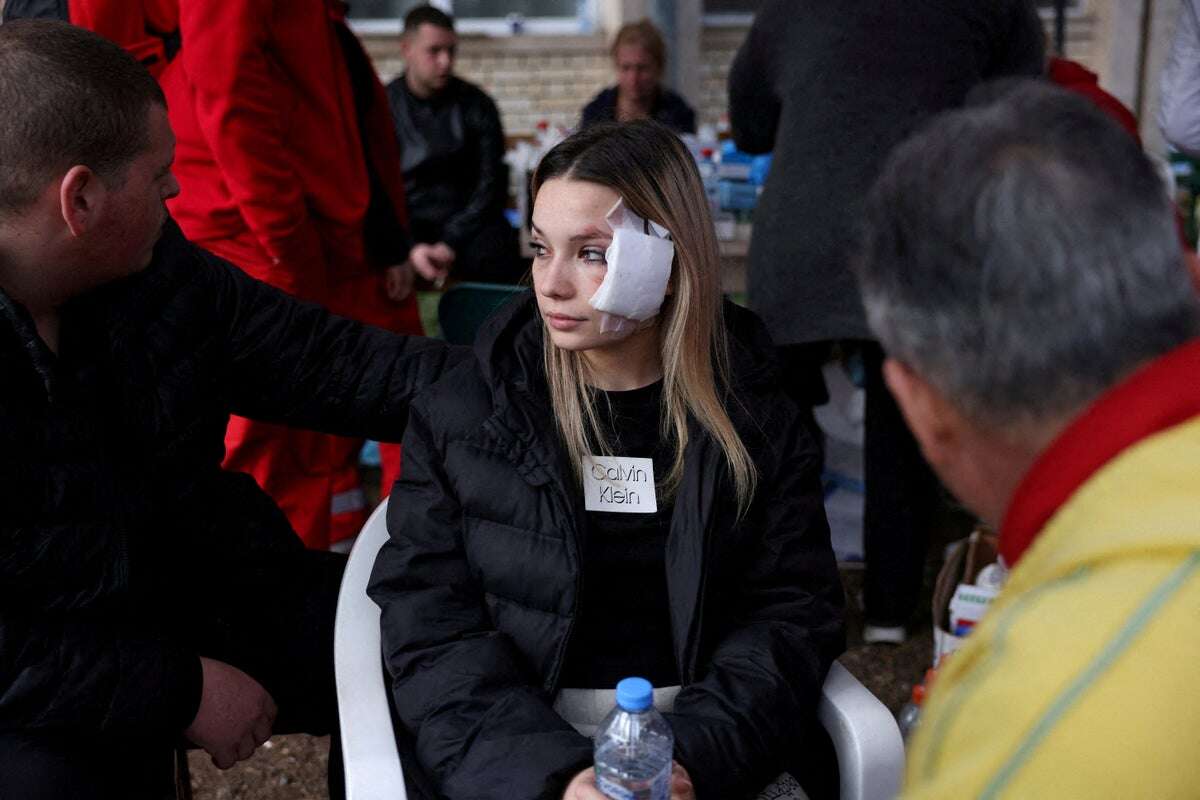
(639,56)
(611,486)
(452,152)
(147,596)
(831,87)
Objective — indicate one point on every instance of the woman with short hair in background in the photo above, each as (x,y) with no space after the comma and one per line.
(640,56)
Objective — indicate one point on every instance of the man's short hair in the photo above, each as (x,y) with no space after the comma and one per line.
(427,15)
(1023,257)
(68,97)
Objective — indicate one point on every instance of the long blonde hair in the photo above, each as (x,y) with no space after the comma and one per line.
(647,165)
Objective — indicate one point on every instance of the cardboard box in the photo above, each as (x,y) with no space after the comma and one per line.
(958,603)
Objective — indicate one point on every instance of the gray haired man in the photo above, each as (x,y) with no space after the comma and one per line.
(1022,269)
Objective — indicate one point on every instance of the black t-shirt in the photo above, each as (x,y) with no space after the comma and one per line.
(623,626)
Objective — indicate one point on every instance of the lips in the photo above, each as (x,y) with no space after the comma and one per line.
(562,322)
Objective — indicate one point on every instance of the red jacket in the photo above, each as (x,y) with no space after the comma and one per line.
(1074,76)
(137,25)
(268,140)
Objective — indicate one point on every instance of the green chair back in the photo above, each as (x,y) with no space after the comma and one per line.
(465,306)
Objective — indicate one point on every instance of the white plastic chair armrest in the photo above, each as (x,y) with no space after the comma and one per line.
(870,752)
(372,763)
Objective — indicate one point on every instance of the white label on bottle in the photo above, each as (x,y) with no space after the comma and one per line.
(613,483)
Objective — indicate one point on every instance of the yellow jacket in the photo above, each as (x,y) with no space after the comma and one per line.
(1083,680)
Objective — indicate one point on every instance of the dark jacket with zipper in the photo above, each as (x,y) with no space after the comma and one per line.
(480,583)
(111,479)
(452,154)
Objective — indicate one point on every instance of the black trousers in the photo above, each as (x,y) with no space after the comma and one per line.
(800,376)
(902,498)
(270,614)
(902,493)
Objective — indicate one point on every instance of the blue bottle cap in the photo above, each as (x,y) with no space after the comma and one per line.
(635,694)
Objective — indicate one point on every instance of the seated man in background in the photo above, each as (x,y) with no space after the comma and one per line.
(147,596)
(1022,270)
(452,152)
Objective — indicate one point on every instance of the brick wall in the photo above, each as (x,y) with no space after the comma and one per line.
(717,48)
(552,77)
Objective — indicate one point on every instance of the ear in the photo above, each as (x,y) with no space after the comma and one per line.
(81,194)
(934,421)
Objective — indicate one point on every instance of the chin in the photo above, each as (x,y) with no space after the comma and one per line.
(569,341)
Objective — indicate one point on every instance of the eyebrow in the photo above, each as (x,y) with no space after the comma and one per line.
(588,233)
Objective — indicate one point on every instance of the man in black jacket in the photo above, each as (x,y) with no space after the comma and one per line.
(831,88)
(452,152)
(148,597)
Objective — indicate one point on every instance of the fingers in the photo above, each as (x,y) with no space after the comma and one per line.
(241,750)
(583,787)
(681,783)
(398,282)
(245,748)
(432,261)
(682,789)
(262,730)
(425,267)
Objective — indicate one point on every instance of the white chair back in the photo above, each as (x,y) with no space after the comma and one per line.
(372,763)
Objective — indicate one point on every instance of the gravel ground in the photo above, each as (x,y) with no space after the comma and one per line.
(293,767)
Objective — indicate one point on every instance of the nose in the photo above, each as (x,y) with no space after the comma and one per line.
(172,187)
(556,282)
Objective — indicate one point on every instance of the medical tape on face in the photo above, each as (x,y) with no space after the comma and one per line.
(639,265)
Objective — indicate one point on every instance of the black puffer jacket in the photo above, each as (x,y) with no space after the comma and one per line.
(480,583)
(110,473)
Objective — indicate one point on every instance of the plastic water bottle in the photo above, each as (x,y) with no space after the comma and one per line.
(634,746)
(910,715)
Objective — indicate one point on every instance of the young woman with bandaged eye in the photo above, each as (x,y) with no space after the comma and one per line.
(615,486)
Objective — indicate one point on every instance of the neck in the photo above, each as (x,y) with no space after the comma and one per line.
(23,279)
(632,105)
(1001,460)
(26,272)
(632,363)
(416,89)
(41,305)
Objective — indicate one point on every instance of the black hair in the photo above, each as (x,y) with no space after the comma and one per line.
(67,97)
(427,15)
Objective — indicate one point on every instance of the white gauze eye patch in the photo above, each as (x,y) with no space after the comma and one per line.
(639,264)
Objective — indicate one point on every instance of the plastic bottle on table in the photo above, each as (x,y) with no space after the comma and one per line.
(910,715)
(634,746)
